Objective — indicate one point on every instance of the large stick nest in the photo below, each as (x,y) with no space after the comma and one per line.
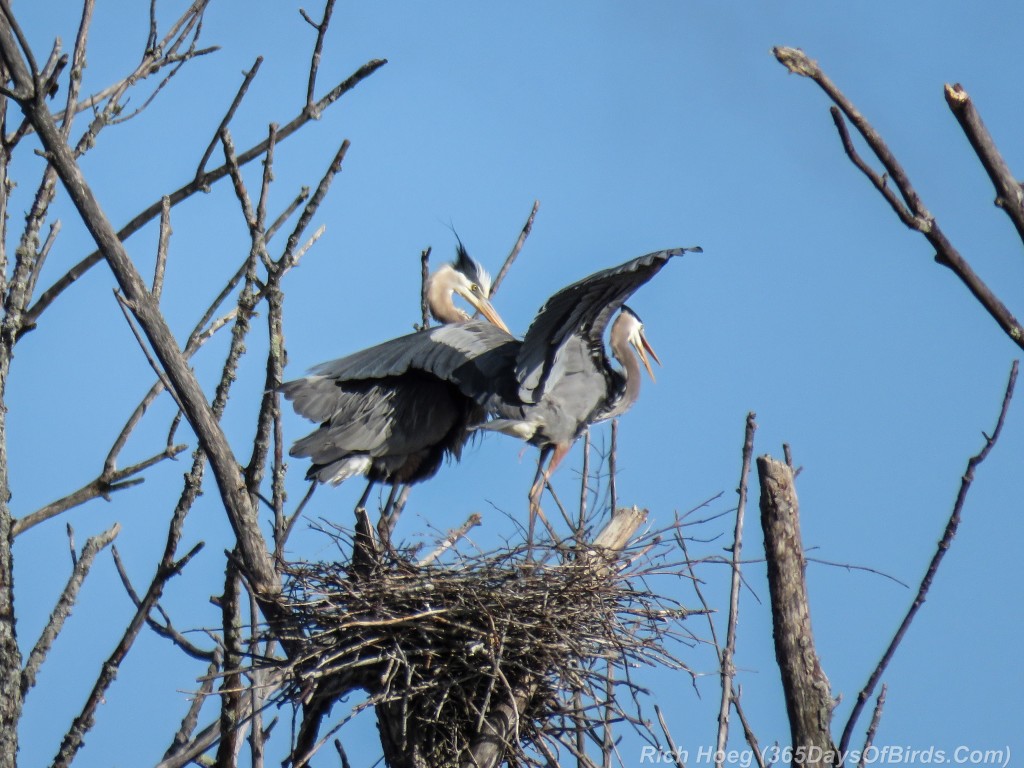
(446,644)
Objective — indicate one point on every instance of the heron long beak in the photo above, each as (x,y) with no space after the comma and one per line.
(642,349)
(484,307)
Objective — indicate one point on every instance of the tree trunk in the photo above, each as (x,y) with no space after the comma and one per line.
(808,695)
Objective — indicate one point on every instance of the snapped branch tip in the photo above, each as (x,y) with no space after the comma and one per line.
(796,61)
(955,94)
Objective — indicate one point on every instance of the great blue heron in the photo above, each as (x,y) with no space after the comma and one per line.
(561,380)
(392,412)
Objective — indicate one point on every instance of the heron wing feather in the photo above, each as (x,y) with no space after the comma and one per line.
(581,309)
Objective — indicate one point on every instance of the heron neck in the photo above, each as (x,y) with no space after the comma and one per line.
(439,300)
(631,375)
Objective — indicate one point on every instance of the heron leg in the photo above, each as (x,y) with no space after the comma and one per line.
(535,493)
(389,516)
(541,479)
(361,504)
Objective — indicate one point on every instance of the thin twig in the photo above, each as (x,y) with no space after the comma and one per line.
(128,310)
(161,249)
(709,614)
(44,251)
(196,185)
(727,668)
(289,256)
(911,209)
(1009,195)
(287,212)
(100,487)
(952,525)
(453,536)
(851,567)
(612,468)
(314,64)
(584,487)
(78,63)
(514,253)
(281,537)
(674,751)
(191,719)
(247,79)
(166,630)
(748,732)
(65,603)
(876,718)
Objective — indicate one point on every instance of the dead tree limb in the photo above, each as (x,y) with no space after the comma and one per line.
(199,184)
(1009,195)
(514,253)
(726,667)
(241,513)
(102,486)
(806,688)
(907,204)
(62,610)
(876,718)
(952,525)
(73,739)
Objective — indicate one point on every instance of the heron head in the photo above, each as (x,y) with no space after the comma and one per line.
(466,277)
(633,328)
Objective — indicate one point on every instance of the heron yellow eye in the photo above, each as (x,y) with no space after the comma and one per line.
(474,288)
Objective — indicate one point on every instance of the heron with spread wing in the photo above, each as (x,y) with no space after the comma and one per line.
(562,380)
(393,411)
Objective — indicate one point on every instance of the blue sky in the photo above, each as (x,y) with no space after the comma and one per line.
(637,128)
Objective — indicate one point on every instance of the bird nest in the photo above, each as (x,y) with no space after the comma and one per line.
(444,649)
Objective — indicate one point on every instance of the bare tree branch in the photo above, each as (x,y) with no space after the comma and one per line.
(247,79)
(726,666)
(161,249)
(952,525)
(196,185)
(314,64)
(453,536)
(62,610)
(102,486)
(231,688)
(514,253)
(165,630)
(291,250)
(911,211)
(677,759)
(1009,195)
(72,741)
(78,62)
(191,719)
(876,718)
(748,732)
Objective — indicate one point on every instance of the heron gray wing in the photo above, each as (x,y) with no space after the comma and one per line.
(377,418)
(444,352)
(584,309)
(467,354)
